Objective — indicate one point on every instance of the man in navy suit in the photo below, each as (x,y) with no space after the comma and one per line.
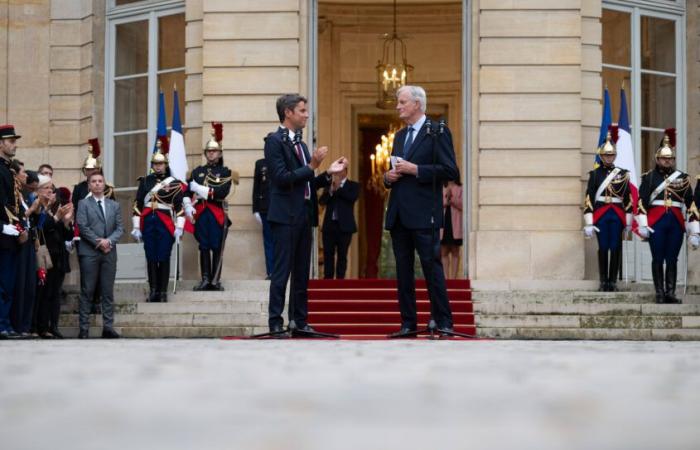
(338,223)
(293,208)
(423,157)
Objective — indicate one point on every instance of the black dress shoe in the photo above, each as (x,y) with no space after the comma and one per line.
(445,332)
(402,333)
(108,333)
(83,334)
(56,334)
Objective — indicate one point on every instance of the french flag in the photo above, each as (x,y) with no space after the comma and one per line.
(625,151)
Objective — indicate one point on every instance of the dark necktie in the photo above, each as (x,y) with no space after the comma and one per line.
(409,141)
(300,154)
(102,213)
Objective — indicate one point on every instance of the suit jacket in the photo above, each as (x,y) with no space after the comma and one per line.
(455,203)
(261,187)
(342,202)
(412,198)
(288,178)
(93,227)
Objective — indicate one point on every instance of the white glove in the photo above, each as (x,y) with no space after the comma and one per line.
(588,231)
(177,234)
(10,230)
(69,246)
(189,211)
(258,218)
(628,223)
(694,241)
(136,234)
(644,232)
(200,190)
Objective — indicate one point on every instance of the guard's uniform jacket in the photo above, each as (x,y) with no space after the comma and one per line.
(210,215)
(10,204)
(608,190)
(158,204)
(664,193)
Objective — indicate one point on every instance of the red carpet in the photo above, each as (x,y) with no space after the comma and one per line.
(368,308)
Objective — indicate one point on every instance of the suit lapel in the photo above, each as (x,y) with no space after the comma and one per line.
(97,209)
(416,142)
(399,140)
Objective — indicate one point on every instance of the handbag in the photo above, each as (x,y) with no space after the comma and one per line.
(43,257)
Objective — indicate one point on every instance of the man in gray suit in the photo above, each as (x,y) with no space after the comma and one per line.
(100,223)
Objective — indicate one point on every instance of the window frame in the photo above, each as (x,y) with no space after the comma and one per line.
(151,12)
(662,10)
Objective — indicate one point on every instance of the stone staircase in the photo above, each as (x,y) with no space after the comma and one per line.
(500,312)
(563,314)
(240,310)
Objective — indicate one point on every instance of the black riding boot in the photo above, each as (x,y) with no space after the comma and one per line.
(205,267)
(163,278)
(671,274)
(603,269)
(657,273)
(215,284)
(152,268)
(614,269)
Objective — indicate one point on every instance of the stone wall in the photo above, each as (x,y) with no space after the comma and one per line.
(536,81)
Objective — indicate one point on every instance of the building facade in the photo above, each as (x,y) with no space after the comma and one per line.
(520,83)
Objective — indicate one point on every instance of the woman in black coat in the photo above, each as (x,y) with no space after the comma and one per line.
(54,229)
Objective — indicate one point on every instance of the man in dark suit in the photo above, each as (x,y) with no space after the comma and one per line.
(293,209)
(99,220)
(338,223)
(422,158)
(261,202)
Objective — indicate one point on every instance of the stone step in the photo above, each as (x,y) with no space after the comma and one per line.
(130,305)
(586,321)
(645,334)
(173,320)
(562,296)
(169,331)
(557,308)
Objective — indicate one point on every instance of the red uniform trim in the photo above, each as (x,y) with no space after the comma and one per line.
(598,213)
(163,216)
(655,213)
(214,208)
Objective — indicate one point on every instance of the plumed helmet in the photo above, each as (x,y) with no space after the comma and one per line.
(161,154)
(92,161)
(667,147)
(217,137)
(609,147)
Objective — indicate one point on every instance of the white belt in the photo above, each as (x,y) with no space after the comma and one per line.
(603,199)
(667,203)
(161,206)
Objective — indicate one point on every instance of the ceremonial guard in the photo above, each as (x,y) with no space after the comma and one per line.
(158,220)
(694,228)
(12,232)
(90,165)
(206,207)
(665,195)
(607,211)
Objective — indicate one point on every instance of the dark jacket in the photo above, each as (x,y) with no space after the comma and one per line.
(261,187)
(413,199)
(342,202)
(288,176)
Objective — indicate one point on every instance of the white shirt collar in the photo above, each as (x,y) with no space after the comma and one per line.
(419,124)
(99,199)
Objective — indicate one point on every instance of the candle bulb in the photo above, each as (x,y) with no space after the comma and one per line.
(371,157)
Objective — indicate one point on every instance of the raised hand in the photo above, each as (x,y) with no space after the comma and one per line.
(318,156)
(337,166)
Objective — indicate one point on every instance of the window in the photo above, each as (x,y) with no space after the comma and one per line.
(145,53)
(644,48)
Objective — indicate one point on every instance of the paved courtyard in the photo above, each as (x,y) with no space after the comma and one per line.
(288,395)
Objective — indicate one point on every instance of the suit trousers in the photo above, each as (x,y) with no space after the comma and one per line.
(292,256)
(93,267)
(268,244)
(405,243)
(8,263)
(22,311)
(335,242)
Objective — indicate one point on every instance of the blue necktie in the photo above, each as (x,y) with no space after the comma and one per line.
(409,141)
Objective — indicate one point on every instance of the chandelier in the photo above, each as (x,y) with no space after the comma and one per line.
(380,162)
(392,70)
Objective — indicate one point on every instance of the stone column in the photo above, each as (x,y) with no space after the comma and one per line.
(531,118)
